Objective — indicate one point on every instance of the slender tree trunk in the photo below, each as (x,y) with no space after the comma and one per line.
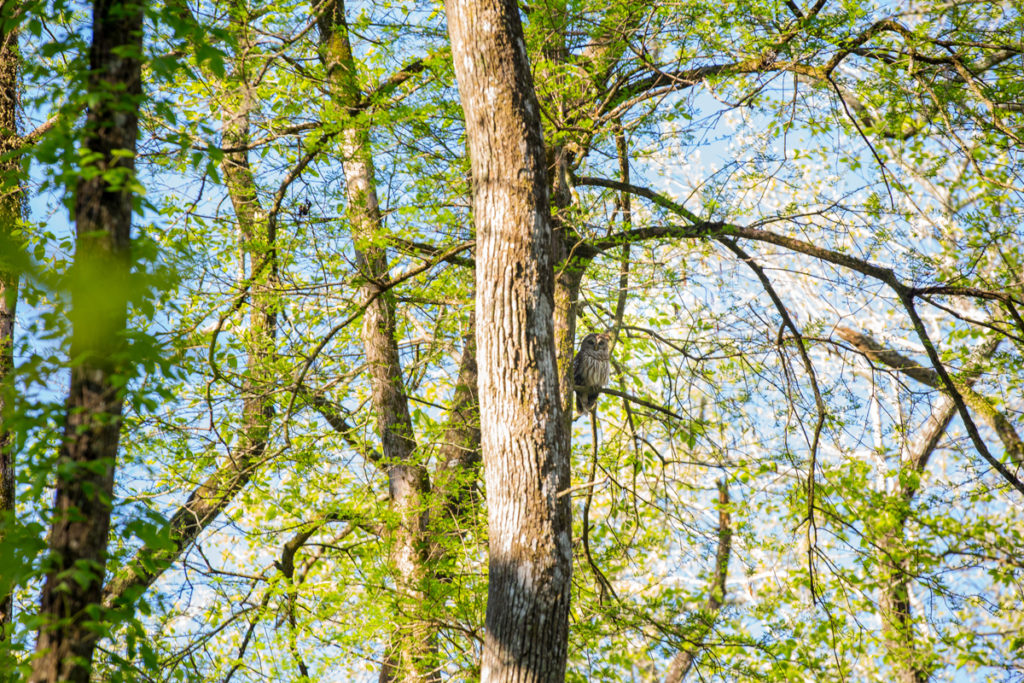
(703,621)
(85,468)
(572,106)
(258,244)
(412,652)
(259,273)
(909,660)
(524,440)
(455,499)
(10,213)
(912,660)
(455,479)
(568,280)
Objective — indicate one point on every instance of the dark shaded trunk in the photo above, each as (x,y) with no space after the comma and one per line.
(100,289)
(10,213)
(568,279)
(457,468)
(570,108)
(524,439)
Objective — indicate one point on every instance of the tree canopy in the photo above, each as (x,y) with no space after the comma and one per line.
(321,392)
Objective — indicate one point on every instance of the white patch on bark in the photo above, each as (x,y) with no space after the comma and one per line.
(525,572)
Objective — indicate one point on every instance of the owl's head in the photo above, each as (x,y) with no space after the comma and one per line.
(598,342)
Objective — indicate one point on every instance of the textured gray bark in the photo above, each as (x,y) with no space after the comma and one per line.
(524,437)
(85,472)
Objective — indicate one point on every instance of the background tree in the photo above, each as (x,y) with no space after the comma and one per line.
(10,214)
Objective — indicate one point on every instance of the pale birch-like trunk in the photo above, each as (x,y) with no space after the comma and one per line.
(412,649)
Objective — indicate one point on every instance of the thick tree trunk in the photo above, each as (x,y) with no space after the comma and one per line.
(412,651)
(524,440)
(85,469)
(10,213)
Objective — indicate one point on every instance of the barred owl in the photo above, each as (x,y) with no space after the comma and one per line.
(590,370)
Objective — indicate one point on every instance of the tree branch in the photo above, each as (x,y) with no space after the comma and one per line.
(995,419)
(633,399)
(819,403)
(328,409)
(885,275)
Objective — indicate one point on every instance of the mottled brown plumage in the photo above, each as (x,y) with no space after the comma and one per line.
(590,370)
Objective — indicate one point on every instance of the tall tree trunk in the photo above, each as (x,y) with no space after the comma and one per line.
(413,646)
(910,658)
(259,279)
(259,276)
(258,258)
(10,213)
(258,244)
(903,648)
(524,440)
(571,106)
(703,620)
(85,469)
(455,478)
(568,279)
